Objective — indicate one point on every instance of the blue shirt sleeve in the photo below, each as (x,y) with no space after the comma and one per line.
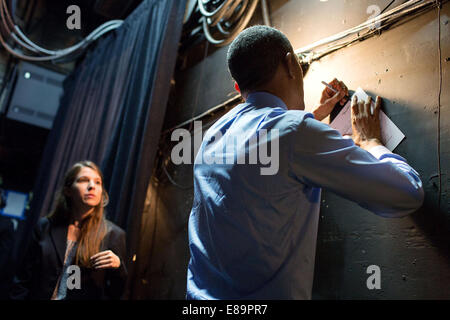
(381,182)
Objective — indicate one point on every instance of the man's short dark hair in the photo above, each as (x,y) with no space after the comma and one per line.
(253,57)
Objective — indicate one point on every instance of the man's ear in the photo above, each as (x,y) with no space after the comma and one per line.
(289,61)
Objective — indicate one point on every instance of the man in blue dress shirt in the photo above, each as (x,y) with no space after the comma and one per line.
(254,220)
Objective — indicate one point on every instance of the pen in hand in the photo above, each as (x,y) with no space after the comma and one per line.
(329,87)
(344,99)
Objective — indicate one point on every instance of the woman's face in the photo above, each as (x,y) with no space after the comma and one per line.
(87,189)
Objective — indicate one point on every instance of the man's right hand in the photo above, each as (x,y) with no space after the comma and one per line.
(365,125)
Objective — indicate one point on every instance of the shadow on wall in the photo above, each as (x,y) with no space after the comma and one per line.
(330,252)
(434,223)
(163,252)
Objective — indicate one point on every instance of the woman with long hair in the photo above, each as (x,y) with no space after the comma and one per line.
(75,252)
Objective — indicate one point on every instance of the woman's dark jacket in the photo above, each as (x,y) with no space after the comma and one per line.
(44,259)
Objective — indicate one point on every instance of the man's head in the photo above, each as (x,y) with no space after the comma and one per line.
(261,58)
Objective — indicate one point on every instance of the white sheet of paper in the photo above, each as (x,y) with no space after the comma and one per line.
(390,134)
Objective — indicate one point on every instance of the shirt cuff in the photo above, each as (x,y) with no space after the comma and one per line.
(379,151)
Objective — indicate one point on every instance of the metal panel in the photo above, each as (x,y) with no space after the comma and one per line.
(36,95)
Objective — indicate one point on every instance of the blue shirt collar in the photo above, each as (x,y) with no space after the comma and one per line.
(264,99)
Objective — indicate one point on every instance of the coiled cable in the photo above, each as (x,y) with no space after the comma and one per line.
(228,17)
(9,30)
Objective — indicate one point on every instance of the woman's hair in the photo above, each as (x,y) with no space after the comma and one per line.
(93,227)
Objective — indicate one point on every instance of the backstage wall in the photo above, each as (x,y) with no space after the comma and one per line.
(402,66)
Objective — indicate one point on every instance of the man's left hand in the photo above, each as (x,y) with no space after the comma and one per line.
(329,99)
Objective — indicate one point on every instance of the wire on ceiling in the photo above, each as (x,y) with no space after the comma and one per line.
(29,51)
(227,18)
(365,30)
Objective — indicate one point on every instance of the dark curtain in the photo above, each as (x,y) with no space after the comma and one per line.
(112,112)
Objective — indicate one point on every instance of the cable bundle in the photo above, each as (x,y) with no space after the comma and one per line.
(10,31)
(318,49)
(228,17)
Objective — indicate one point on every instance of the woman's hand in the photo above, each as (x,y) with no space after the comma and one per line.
(329,99)
(105,260)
